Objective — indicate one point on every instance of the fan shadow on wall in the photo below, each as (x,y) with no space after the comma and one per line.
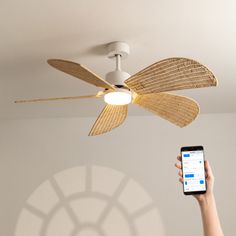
(89,201)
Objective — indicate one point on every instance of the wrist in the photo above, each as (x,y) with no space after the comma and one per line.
(206,200)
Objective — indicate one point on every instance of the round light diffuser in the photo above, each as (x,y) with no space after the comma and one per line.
(118,97)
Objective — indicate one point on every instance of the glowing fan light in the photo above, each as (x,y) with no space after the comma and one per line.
(118,98)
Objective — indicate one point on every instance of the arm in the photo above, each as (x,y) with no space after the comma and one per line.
(210,219)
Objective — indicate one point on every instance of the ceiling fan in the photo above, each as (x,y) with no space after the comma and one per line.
(148,88)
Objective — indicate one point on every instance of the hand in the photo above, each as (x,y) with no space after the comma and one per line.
(209,180)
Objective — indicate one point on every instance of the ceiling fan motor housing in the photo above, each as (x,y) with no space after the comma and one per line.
(117,77)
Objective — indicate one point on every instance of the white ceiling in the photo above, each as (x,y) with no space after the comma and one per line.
(33,31)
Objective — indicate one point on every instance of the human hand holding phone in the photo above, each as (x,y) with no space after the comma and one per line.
(209,179)
(210,220)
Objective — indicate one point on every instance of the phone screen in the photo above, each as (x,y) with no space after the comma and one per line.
(193,170)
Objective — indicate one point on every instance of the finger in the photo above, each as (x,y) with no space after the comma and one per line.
(180,173)
(178,165)
(179,158)
(181,180)
(208,169)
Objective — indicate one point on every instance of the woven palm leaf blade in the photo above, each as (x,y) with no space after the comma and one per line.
(79,72)
(111,117)
(179,110)
(171,74)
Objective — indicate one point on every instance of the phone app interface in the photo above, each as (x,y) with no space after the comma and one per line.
(193,171)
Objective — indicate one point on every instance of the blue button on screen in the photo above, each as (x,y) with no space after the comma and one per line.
(189,175)
(201,181)
(186,155)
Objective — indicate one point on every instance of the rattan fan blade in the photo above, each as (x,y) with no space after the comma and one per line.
(111,117)
(171,74)
(179,110)
(98,95)
(80,72)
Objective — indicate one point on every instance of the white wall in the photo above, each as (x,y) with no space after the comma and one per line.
(144,147)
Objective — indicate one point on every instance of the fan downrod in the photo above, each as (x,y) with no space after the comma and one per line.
(117,50)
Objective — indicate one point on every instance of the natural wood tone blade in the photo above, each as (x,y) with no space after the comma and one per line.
(111,117)
(80,72)
(177,109)
(171,74)
(98,95)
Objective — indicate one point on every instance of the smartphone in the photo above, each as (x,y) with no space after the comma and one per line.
(194,177)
